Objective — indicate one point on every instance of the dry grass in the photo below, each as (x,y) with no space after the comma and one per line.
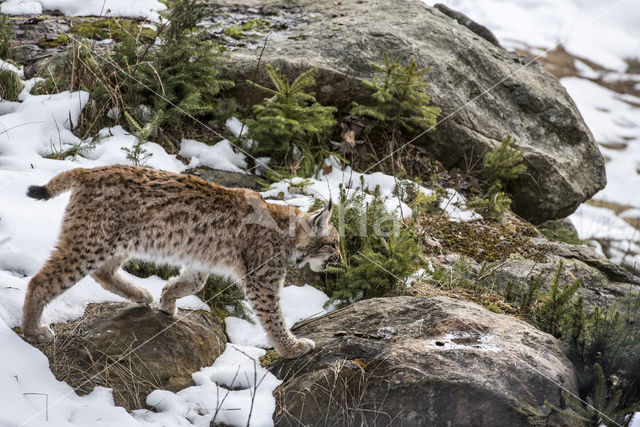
(73,360)
(340,398)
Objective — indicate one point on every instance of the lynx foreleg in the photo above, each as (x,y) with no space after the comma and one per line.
(187,283)
(265,300)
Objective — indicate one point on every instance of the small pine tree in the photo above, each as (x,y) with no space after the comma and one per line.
(602,406)
(400,95)
(401,100)
(137,154)
(504,163)
(378,253)
(172,70)
(551,313)
(188,67)
(286,124)
(500,165)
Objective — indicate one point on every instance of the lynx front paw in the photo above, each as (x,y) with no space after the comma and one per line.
(168,306)
(302,347)
(145,297)
(41,335)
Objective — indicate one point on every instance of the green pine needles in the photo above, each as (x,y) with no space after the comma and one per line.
(378,252)
(137,154)
(172,70)
(290,124)
(555,306)
(501,165)
(401,96)
(187,67)
(401,101)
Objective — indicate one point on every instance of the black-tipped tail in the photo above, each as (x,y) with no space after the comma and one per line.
(38,192)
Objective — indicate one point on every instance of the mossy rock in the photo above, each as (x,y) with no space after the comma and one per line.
(109,28)
(10,85)
(62,40)
(245,30)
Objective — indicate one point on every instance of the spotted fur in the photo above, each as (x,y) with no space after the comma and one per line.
(117,212)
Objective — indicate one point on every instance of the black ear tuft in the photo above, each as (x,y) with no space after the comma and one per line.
(330,205)
(38,192)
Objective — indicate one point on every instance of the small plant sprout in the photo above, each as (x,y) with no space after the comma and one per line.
(137,154)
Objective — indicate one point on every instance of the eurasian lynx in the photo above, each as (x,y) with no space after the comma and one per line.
(119,211)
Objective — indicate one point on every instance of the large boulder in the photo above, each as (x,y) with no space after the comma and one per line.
(422,361)
(134,350)
(485,92)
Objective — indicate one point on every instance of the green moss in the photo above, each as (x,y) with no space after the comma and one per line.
(424,204)
(490,241)
(62,40)
(10,85)
(562,234)
(145,269)
(494,308)
(109,28)
(238,31)
(45,87)
(269,358)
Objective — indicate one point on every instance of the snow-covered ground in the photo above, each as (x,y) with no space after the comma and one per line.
(605,32)
(39,126)
(31,130)
(147,9)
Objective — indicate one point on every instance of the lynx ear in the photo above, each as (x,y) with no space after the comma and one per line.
(320,221)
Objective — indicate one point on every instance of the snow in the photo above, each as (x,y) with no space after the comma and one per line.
(233,389)
(147,9)
(31,395)
(4,65)
(612,119)
(243,332)
(604,32)
(227,390)
(302,193)
(236,127)
(220,156)
(601,223)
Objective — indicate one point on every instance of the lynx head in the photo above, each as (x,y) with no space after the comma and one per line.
(318,241)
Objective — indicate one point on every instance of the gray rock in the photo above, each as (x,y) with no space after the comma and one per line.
(603,282)
(228,178)
(422,361)
(463,19)
(485,92)
(134,350)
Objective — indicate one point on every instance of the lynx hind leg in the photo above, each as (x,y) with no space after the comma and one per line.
(265,300)
(109,278)
(187,283)
(63,270)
